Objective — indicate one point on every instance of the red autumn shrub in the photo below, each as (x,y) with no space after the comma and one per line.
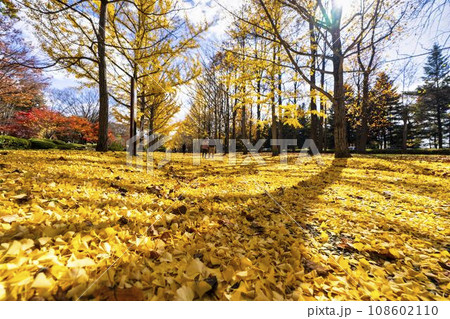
(44,123)
(38,122)
(77,130)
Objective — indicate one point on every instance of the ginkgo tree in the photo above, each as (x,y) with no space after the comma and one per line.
(340,35)
(73,35)
(152,41)
(245,87)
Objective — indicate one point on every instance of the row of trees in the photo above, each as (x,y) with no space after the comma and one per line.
(308,69)
(287,69)
(135,52)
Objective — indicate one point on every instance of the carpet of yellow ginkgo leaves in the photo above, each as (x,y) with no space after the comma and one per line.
(81,225)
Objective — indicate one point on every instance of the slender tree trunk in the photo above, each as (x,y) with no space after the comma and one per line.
(280,102)
(222,110)
(323,108)
(102,143)
(216,114)
(142,120)
(274,128)
(244,124)
(449,136)
(340,125)
(258,94)
(384,139)
(234,114)
(439,126)
(363,132)
(312,92)
(151,121)
(250,125)
(244,119)
(233,129)
(133,126)
(364,129)
(258,112)
(405,129)
(227,124)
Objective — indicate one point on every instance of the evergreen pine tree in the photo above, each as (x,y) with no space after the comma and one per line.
(434,98)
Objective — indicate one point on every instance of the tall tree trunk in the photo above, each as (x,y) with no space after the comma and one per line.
(227,124)
(312,92)
(274,128)
(449,135)
(142,120)
(384,139)
(340,125)
(233,129)
(439,125)
(258,112)
(405,129)
(280,102)
(233,132)
(133,128)
(151,121)
(216,114)
(102,143)
(364,129)
(250,125)
(323,108)
(244,122)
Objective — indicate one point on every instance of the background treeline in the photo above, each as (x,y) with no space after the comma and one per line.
(286,69)
(279,75)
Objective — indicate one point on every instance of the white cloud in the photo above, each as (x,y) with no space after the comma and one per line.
(213,11)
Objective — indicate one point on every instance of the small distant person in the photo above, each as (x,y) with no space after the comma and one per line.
(184,148)
(205,146)
(211,148)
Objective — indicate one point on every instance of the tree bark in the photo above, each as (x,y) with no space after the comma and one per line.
(133,128)
(151,121)
(227,124)
(142,120)
(340,125)
(323,108)
(313,106)
(274,128)
(439,125)
(405,129)
(102,143)
(364,129)
(233,131)
(244,119)
(280,102)
(258,112)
